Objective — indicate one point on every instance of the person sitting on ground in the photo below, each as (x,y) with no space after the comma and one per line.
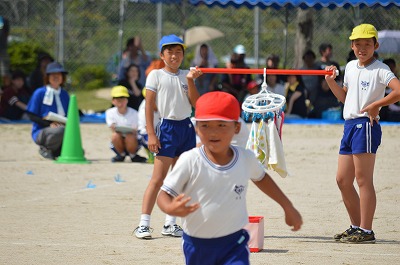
(123,122)
(295,98)
(15,97)
(36,77)
(131,82)
(51,97)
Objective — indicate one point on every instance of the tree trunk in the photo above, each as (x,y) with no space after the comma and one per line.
(304,34)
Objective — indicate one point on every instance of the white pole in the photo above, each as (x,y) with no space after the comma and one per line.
(256,34)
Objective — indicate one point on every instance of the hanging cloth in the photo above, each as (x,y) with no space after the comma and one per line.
(276,156)
(265,143)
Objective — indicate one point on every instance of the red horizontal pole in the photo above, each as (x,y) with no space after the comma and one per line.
(261,71)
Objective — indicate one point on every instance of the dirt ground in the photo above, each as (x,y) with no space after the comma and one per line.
(79,214)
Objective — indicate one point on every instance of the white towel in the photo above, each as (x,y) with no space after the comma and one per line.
(267,146)
(49,96)
(276,156)
(257,143)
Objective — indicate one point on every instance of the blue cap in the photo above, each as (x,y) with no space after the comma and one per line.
(55,67)
(171,39)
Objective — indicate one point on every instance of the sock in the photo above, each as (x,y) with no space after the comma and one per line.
(354,226)
(112,147)
(132,155)
(144,220)
(170,220)
(366,230)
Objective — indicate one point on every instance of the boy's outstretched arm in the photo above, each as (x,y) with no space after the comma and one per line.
(269,187)
(175,206)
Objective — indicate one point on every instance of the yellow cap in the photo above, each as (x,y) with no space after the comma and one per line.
(119,92)
(364,31)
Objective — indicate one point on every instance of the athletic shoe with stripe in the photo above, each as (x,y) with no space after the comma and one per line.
(172,230)
(359,237)
(346,233)
(143,232)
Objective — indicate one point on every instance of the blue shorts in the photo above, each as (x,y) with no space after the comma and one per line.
(360,137)
(175,137)
(230,249)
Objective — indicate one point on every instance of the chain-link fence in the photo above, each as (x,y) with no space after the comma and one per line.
(82,32)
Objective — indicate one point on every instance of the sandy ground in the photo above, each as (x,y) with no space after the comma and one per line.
(48,215)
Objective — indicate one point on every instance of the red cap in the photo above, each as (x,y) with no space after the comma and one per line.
(252,84)
(217,105)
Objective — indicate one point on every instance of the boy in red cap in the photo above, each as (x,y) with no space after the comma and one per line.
(214,177)
(173,93)
(363,95)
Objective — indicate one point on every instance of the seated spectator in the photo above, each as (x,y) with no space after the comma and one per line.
(136,54)
(205,58)
(252,88)
(295,98)
(51,97)
(235,84)
(272,62)
(123,122)
(274,86)
(15,97)
(311,82)
(36,77)
(131,82)
(325,100)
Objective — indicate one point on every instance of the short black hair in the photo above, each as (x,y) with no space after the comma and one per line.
(169,46)
(324,46)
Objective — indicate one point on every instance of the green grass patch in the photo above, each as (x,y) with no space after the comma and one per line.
(87,100)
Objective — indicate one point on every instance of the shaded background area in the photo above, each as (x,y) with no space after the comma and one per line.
(89,32)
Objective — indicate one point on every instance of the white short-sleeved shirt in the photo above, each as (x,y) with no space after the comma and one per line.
(172,93)
(220,190)
(142,118)
(129,119)
(364,86)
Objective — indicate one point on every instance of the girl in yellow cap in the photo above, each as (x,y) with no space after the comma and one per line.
(363,95)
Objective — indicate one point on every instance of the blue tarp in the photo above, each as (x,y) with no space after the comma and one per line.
(277,4)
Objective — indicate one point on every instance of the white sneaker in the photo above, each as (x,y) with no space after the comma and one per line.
(143,232)
(172,230)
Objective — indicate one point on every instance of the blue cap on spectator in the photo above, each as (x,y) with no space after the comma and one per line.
(171,39)
(55,67)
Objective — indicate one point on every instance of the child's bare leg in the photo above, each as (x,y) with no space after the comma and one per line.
(131,143)
(345,181)
(364,168)
(118,141)
(160,170)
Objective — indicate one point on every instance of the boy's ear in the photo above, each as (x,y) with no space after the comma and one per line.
(238,125)
(376,45)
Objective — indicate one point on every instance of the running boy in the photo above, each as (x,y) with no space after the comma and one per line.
(208,186)
(173,92)
(363,93)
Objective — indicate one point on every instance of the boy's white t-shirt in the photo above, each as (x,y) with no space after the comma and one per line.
(220,190)
(364,86)
(142,118)
(129,119)
(172,93)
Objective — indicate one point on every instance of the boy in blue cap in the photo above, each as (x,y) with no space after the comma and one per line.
(173,93)
(363,95)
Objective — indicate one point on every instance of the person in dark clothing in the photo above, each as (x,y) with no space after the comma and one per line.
(131,82)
